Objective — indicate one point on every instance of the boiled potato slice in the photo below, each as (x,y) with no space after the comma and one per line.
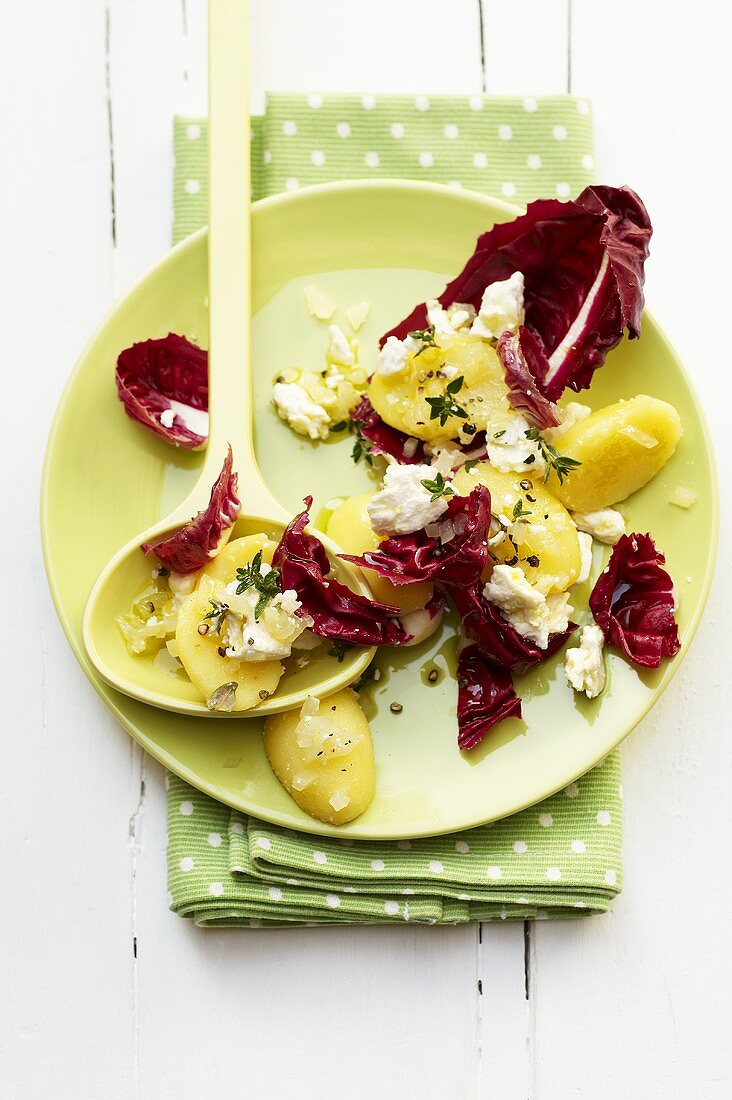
(206,669)
(236,554)
(547,534)
(621,447)
(400,399)
(337,785)
(350,527)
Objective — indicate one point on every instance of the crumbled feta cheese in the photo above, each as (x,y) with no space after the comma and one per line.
(404,505)
(319,305)
(268,638)
(394,355)
(509,453)
(509,589)
(502,308)
(532,614)
(448,322)
(583,665)
(302,414)
(167,417)
(339,349)
(607,525)
(357,315)
(449,370)
(585,543)
(569,415)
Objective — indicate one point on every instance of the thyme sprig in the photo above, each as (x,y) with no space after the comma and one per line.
(561,464)
(444,406)
(519,512)
(266,584)
(216,615)
(426,336)
(438,488)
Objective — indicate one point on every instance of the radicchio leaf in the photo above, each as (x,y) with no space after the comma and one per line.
(336,611)
(406,559)
(485,696)
(166,378)
(384,439)
(497,640)
(523,360)
(582,263)
(198,541)
(633,602)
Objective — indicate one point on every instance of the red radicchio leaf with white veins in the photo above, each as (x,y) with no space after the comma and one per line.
(163,385)
(458,560)
(336,611)
(497,640)
(633,602)
(485,696)
(521,354)
(583,267)
(193,546)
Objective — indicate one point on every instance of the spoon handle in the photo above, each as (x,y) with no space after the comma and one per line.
(229,256)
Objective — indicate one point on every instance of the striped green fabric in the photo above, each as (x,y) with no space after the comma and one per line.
(561,858)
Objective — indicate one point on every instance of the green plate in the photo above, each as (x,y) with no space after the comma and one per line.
(391,244)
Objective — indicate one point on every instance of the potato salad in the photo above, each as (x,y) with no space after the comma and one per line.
(496,494)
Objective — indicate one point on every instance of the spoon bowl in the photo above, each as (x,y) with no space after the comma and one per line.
(140,678)
(230,421)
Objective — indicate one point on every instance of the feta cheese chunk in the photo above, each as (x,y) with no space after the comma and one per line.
(271,636)
(404,505)
(339,349)
(584,666)
(585,543)
(167,417)
(394,355)
(531,614)
(607,525)
(510,452)
(450,321)
(502,308)
(299,411)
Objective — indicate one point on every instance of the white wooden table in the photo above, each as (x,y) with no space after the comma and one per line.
(104,993)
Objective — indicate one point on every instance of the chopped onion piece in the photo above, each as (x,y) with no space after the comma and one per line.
(640,437)
(339,800)
(319,305)
(682,497)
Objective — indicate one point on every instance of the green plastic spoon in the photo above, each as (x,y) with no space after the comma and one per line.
(229,280)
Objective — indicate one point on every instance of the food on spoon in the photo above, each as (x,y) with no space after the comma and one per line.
(620,449)
(323,756)
(163,385)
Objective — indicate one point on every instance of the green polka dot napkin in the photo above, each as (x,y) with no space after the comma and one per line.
(560,858)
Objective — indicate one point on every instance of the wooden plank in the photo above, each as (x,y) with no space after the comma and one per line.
(412,46)
(146,66)
(631,1004)
(313,1012)
(526,46)
(66,969)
